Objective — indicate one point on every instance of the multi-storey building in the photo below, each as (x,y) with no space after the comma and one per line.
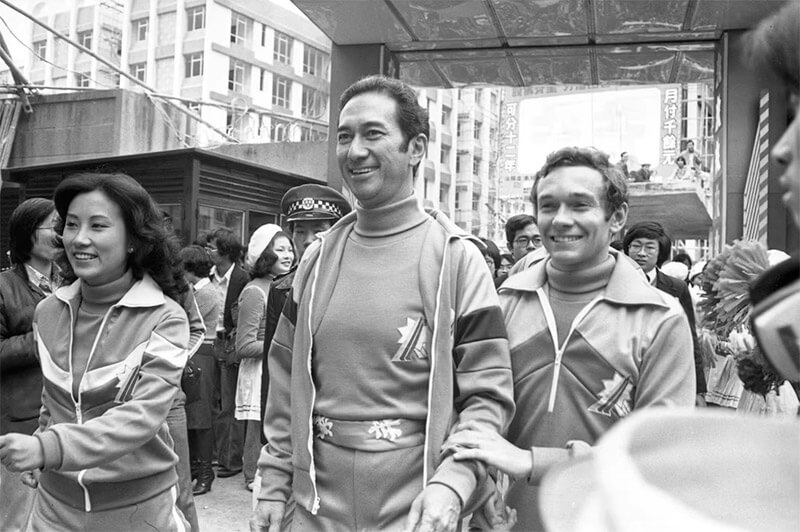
(261,64)
(94,24)
(459,174)
(257,69)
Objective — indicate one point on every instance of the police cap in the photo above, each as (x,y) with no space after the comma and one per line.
(313,202)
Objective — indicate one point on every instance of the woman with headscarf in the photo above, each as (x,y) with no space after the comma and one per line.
(269,255)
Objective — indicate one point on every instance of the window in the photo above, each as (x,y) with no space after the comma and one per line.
(476,132)
(443,193)
(236,76)
(140,29)
(279,130)
(281,88)
(476,201)
(83,80)
(239,25)
(476,166)
(262,80)
(459,129)
(445,156)
(458,195)
(458,164)
(445,116)
(283,48)
(194,65)
(85,39)
(138,71)
(314,61)
(40,50)
(313,104)
(263,35)
(196,18)
(209,219)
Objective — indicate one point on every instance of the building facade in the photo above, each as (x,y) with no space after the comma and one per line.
(459,175)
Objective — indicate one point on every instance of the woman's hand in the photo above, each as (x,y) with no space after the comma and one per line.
(472,441)
(20,452)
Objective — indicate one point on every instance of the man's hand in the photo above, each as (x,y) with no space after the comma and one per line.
(472,441)
(20,452)
(436,509)
(267,516)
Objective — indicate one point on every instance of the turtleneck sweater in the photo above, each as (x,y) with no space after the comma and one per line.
(371,348)
(570,291)
(95,303)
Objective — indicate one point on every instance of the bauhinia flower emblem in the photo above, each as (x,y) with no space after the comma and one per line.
(385,429)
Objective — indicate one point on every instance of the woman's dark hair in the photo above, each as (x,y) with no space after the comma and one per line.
(684,258)
(22,225)
(491,251)
(653,231)
(680,158)
(154,251)
(268,258)
(195,259)
(227,244)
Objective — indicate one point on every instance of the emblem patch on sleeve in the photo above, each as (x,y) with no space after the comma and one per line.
(413,341)
(615,397)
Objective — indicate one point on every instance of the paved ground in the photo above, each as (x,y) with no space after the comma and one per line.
(226,508)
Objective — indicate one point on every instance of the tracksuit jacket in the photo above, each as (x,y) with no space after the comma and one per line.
(110,446)
(470,376)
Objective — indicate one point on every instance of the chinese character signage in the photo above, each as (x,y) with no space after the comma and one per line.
(509,131)
(670,124)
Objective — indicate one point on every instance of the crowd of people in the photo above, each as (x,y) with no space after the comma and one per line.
(373,367)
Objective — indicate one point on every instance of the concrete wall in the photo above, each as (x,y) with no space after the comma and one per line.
(303,159)
(68,127)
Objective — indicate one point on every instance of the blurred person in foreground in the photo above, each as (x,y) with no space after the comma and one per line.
(709,470)
(113,346)
(591,340)
(32,277)
(391,334)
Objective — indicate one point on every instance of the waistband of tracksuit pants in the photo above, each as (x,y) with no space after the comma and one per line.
(373,435)
(106,495)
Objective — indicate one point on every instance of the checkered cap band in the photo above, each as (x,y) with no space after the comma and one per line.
(310,204)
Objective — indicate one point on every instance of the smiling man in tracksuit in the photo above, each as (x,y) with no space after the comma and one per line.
(591,340)
(392,333)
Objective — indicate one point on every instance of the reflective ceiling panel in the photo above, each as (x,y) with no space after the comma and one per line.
(421,74)
(732,14)
(634,66)
(696,66)
(556,66)
(639,16)
(447,20)
(549,19)
(354,21)
(536,42)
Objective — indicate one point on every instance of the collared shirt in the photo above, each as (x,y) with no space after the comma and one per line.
(221,283)
(651,276)
(39,279)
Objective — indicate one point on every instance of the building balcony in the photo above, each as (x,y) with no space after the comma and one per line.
(445,177)
(682,207)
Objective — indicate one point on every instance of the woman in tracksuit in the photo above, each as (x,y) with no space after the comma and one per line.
(112,346)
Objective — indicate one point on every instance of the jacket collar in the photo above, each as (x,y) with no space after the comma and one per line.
(627,285)
(144,293)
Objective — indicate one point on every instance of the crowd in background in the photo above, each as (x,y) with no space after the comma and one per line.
(135,371)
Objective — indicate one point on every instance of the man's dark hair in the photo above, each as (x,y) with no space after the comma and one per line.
(411,116)
(616,189)
(653,231)
(517,223)
(195,259)
(22,225)
(680,158)
(227,244)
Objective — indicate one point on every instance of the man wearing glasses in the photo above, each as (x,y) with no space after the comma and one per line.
(522,237)
(649,245)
